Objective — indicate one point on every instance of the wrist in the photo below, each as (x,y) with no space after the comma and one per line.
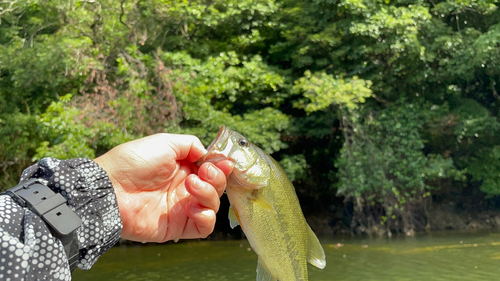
(107,165)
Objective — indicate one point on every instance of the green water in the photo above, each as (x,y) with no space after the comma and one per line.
(442,256)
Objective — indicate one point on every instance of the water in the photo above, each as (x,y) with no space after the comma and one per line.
(441,256)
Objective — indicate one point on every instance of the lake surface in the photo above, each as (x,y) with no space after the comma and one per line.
(438,256)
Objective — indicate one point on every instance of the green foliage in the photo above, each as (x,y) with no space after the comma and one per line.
(319,84)
(383,154)
(18,141)
(474,119)
(486,169)
(225,90)
(295,166)
(63,134)
(323,90)
(382,160)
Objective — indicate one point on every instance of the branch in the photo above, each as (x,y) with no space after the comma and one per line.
(9,9)
(5,164)
(495,94)
(381,99)
(122,13)
(164,36)
(38,30)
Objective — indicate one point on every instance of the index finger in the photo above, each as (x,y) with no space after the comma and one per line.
(214,175)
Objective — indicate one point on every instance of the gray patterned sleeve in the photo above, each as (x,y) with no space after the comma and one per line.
(29,251)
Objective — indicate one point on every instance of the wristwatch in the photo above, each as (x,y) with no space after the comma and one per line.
(53,209)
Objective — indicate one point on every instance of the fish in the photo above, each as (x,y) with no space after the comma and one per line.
(264,203)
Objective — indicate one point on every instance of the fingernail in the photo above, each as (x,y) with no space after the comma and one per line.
(212,173)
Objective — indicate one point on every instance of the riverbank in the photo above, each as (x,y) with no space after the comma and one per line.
(439,219)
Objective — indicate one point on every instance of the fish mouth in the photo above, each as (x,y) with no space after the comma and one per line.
(223,136)
(217,147)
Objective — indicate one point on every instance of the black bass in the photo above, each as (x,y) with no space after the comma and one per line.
(265,205)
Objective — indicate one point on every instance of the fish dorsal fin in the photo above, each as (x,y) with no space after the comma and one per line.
(263,273)
(261,200)
(315,253)
(233,218)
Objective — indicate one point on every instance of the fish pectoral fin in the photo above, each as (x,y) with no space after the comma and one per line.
(262,201)
(233,218)
(315,252)
(263,273)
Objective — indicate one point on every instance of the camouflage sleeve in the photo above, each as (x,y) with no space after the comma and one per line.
(28,249)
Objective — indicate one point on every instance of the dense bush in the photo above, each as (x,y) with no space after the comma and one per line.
(373,101)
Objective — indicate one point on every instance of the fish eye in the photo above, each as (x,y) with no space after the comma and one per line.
(243,142)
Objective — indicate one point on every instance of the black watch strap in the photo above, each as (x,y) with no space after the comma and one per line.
(53,209)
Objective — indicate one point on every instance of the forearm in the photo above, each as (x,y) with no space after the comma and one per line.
(28,248)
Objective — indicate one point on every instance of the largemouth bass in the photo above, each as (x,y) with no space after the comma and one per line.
(265,205)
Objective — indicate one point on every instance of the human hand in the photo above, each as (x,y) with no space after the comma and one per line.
(162,195)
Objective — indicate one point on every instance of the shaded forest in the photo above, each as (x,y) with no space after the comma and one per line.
(381,112)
